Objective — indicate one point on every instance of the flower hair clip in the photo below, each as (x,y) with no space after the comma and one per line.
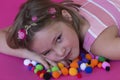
(22,33)
(52,11)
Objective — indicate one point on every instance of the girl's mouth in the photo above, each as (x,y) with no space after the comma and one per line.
(68,55)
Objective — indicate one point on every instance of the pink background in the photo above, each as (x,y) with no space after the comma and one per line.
(12,68)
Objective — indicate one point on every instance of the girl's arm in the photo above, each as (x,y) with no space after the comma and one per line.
(108,44)
(21,53)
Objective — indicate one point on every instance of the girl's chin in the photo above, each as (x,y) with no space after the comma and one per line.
(74,57)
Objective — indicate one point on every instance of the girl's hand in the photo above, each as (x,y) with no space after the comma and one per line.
(66,63)
(36,57)
(39,58)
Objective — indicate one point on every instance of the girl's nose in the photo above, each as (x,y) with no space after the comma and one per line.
(60,51)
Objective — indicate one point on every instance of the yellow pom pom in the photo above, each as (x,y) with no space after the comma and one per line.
(56,74)
(60,65)
(64,71)
(73,71)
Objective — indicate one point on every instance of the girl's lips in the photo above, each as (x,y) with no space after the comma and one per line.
(68,55)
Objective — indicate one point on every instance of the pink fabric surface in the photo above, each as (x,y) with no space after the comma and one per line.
(12,68)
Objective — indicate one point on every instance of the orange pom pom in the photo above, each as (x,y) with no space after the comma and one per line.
(74,65)
(76,60)
(64,71)
(94,62)
(41,75)
(56,74)
(99,65)
(73,71)
(88,56)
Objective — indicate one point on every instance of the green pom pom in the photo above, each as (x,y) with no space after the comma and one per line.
(48,70)
(101,59)
(55,68)
(39,67)
(36,70)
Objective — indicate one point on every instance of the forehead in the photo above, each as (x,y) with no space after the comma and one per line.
(43,38)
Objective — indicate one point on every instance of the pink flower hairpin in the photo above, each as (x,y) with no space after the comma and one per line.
(22,34)
(52,10)
(34,18)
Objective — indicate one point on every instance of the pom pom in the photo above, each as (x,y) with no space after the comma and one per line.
(106,66)
(35,70)
(94,62)
(30,67)
(101,59)
(99,65)
(74,65)
(56,74)
(33,63)
(85,60)
(79,75)
(64,71)
(27,62)
(47,76)
(38,73)
(39,67)
(88,69)
(83,66)
(42,73)
(55,68)
(73,71)
(60,65)
(88,56)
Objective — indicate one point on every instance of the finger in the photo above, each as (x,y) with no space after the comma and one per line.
(42,61)
(65,63)
(52,63)
(38,58)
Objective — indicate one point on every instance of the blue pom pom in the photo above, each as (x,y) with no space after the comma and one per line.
(80,62)
(79,70)
(85,60)
(88,69)
(30,68)
(82,55)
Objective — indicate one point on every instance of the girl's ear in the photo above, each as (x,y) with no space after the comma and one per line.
(66,15)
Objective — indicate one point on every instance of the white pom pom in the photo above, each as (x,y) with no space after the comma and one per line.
(83,66)
(27,62)
(33,63)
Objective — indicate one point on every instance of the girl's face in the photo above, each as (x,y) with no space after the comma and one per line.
(57,42)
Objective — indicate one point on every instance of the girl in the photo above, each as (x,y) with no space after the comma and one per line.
(51,31)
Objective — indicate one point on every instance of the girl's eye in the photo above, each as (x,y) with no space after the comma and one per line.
(59,39)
